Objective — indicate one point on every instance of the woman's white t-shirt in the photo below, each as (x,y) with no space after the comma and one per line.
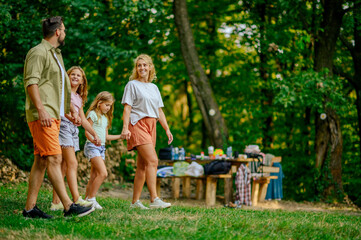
(144,98)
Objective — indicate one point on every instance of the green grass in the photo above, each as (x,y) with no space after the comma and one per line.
(117,221)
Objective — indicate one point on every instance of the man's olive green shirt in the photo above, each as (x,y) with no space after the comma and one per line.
(41,68)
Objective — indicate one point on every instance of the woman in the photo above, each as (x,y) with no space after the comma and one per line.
(142,108)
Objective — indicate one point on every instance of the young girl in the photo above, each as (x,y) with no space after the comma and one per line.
(100,116)
(69,139)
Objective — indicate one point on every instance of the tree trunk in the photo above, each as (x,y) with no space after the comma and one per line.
(214,122)
(267,95)
(328,131)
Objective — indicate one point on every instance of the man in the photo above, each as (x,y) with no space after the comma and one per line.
(48,95)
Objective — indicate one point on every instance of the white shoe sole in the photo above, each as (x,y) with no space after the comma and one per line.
(155,207)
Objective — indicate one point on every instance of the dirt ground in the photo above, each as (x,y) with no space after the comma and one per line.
(125,192)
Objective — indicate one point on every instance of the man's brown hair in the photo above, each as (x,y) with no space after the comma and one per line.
(50,25)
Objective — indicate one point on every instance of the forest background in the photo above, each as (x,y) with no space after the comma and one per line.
(282,74)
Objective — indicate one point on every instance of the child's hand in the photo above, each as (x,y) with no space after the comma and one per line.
(96,141)
(69,117)
(125,134)
(77,119)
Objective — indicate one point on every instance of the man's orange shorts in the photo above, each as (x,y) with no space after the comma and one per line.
(143,132)
(45,139)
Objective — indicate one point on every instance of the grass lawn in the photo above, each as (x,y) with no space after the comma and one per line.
(117,221)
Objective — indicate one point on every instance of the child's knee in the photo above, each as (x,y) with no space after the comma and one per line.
(103,174)
(72,164)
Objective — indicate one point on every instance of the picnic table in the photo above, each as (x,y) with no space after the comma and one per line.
(206,186)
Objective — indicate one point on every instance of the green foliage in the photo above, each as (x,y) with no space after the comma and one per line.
(116,221)
(309,89)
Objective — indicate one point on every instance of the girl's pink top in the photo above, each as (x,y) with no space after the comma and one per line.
(77,101)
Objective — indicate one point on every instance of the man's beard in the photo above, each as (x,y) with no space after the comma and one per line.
(61,42)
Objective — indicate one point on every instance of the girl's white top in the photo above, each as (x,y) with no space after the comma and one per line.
(99,125)
(144,98)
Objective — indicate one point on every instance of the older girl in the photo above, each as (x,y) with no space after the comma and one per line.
(69,139)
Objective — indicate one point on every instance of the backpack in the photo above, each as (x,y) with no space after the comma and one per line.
(217,167)
(165,153)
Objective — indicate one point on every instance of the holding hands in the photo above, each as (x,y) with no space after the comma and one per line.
(96,140)
(74,118)
(125,134)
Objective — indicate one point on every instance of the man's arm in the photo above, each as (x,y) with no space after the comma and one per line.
(44,117)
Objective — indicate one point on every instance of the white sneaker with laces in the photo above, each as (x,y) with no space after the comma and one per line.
(158,203)
(96,205)
(138,204)
(56,207)
(83,202)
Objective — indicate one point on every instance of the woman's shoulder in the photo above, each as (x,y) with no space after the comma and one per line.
(154,86)
(132,82)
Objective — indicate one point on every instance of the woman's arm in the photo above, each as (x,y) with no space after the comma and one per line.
(89,128)
(163,122)
(126,116)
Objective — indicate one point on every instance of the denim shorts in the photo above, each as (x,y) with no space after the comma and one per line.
(69,134)
(91,151)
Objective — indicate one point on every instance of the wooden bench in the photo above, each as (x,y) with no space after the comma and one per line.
(260,185)
(211,187)
(186,186)
(259,189)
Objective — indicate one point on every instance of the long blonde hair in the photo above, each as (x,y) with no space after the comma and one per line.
(152,76)
(83,88)
(103,97)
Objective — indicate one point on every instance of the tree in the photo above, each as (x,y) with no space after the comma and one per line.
(214,122)
(328,131)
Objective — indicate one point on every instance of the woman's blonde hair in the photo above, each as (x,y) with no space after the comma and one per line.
(103,97)
(152,76)
(83,88)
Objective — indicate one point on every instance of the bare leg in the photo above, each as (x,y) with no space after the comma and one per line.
(71,172)
(101,175)
(139,179)
(93,175)
(35,180)
(148,154)
(56,199)
(56,178)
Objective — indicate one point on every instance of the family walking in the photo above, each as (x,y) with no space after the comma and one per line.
(54,110)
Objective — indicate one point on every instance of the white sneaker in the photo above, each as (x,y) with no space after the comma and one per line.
(96,205)
(56,207)
(138,204)
(83,202)
(158,203)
